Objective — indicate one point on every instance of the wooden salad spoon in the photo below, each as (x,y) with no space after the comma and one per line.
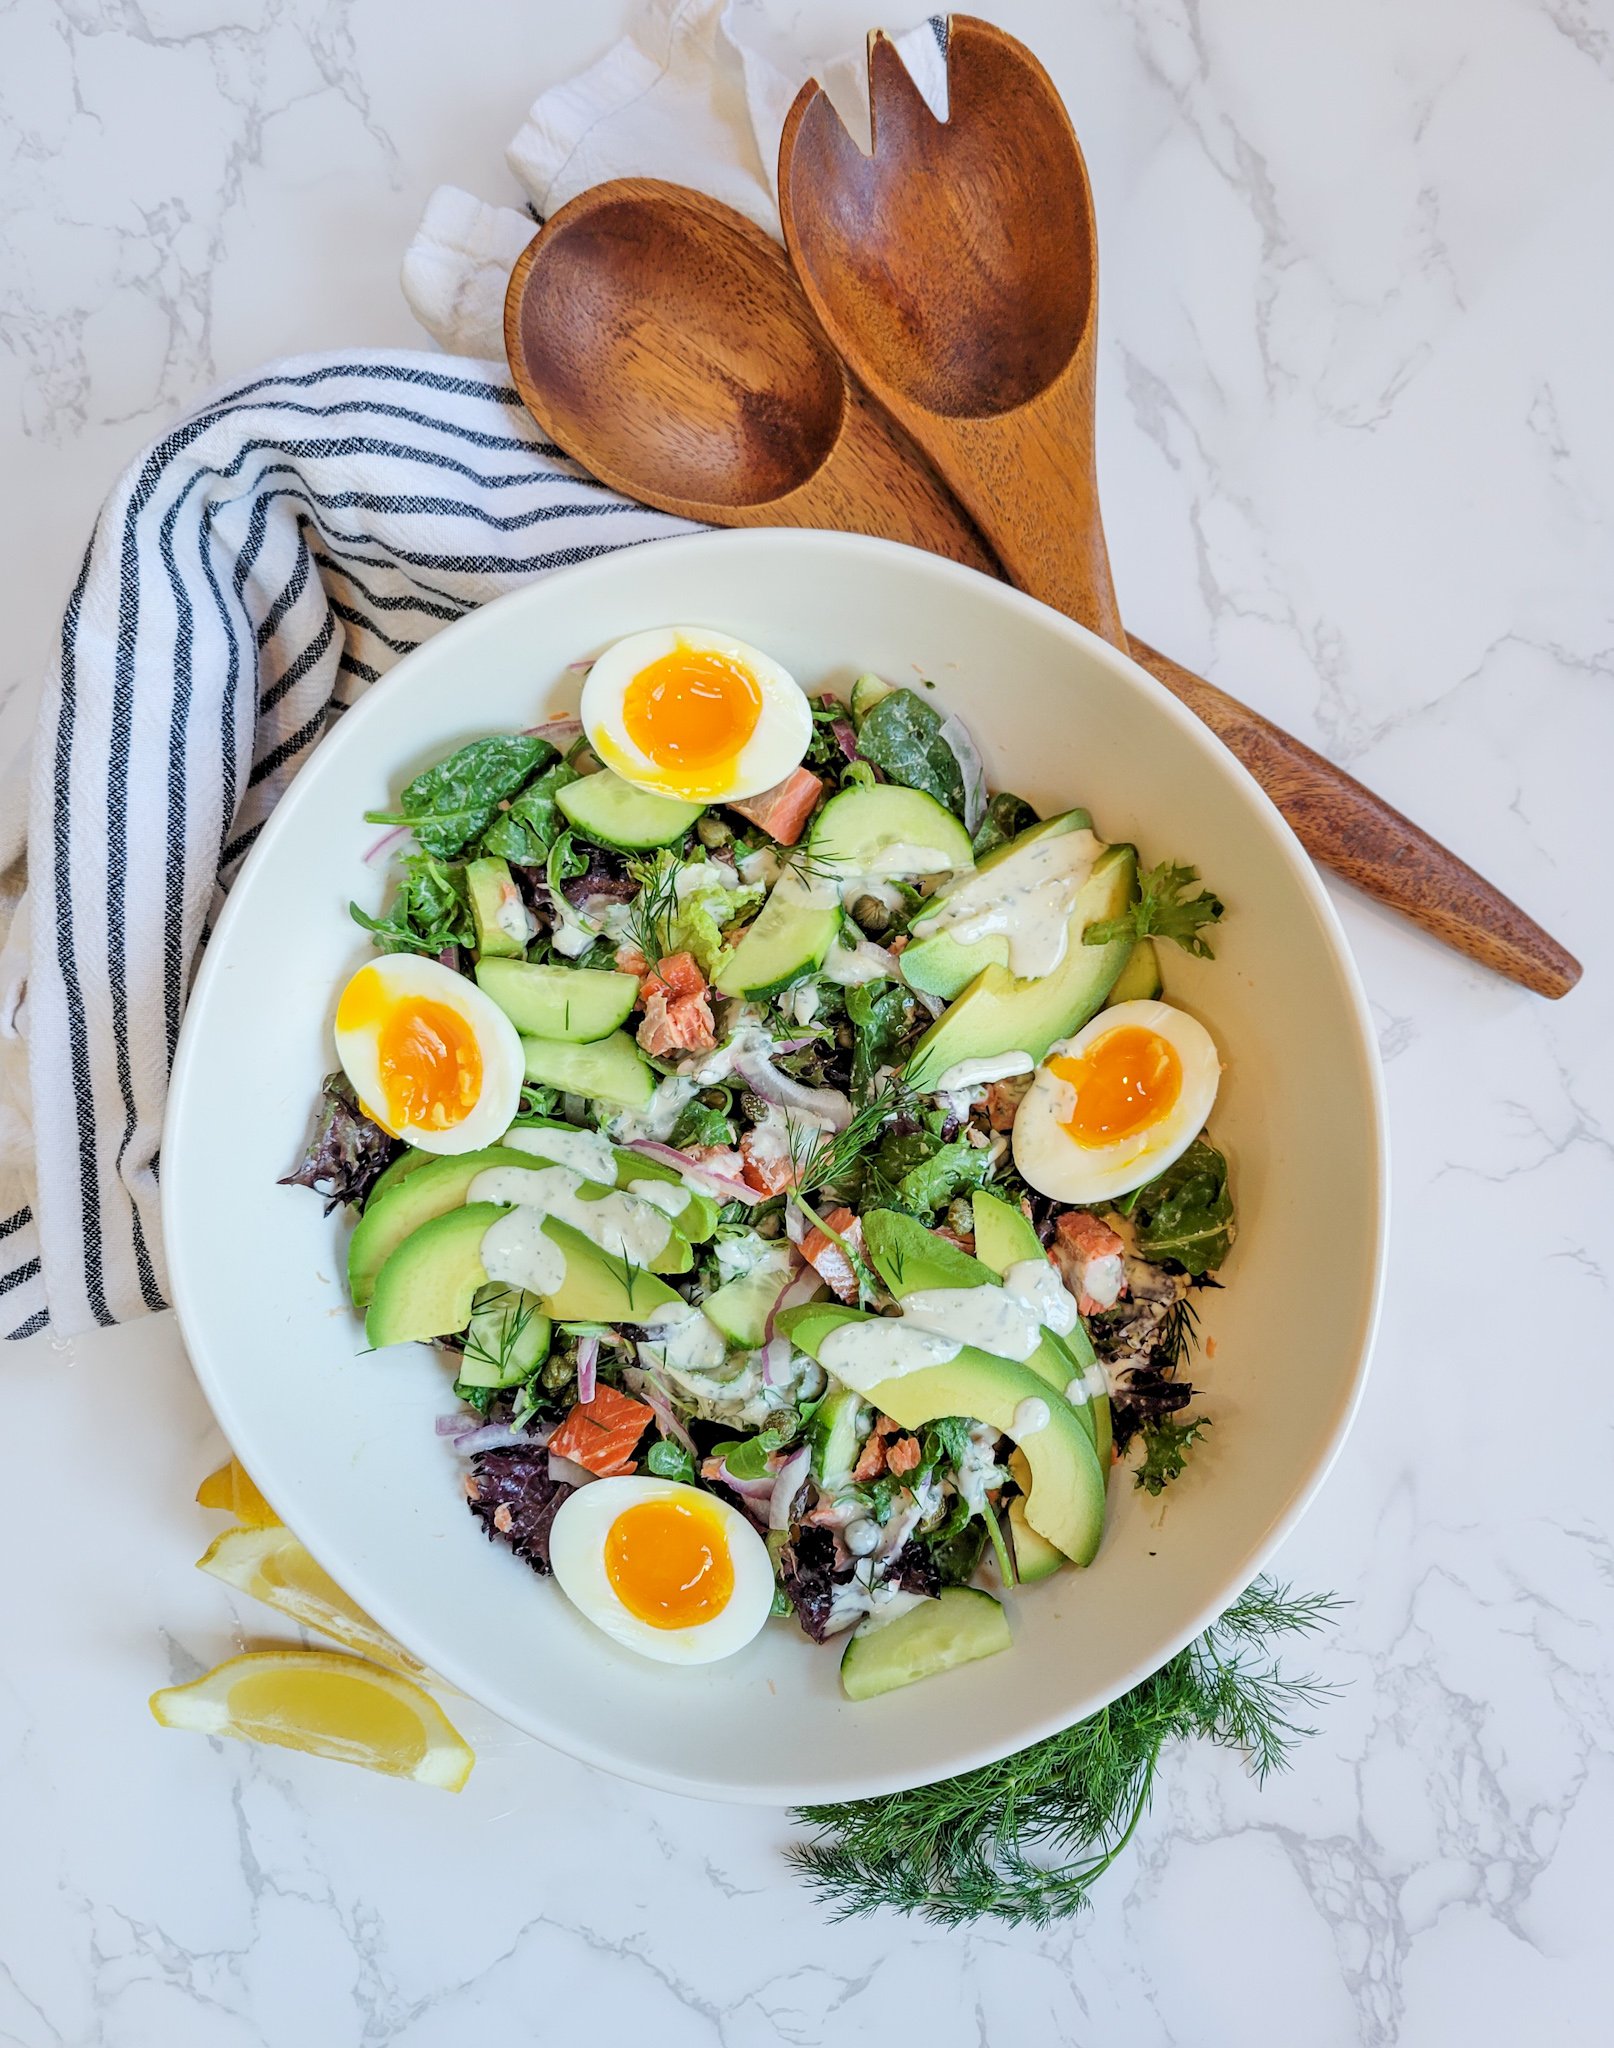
(955,269)
(663,341)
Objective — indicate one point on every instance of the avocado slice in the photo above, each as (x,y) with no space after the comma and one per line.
(1004,1235)
(576,1004)
(908,1259)
(1066,1502)
(497,910)
(1139,980)
(428,1287)
(998,1014)
(443,1185)
(1034,1556)
(698,1217)
(942,965)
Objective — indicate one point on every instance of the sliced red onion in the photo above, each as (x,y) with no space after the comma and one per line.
(389,841)
(802,1289)
(698,1176)
(555,730)
(569,1474)
(588,1358)
(845,737)
(783,1301)
(495,1436)
(786,1485)
(795,1044)
(757,1494)
(654,1395)
(933,1004)
(828,1105)
(956,735)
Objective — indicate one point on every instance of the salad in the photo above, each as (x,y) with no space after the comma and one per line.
(785,1141)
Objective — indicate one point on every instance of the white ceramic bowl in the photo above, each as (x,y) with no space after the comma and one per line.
(343,1442)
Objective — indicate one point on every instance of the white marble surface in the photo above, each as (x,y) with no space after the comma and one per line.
(1358,459)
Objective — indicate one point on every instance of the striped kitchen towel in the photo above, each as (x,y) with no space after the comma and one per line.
(252,574)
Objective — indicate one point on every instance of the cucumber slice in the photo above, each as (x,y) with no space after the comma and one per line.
(608,1070)
(957,1628)
(508,1338)
(1139,980)
(866,693)
(614,813)
(889,831)
(792,934)
(834,1438)
(741,1308)
(577,1004)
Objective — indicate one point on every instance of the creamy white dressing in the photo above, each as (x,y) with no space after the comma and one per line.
(800,1004)
(620,1224)
(1027,898)
(1001,1066)
(989,1318)
(516,1253)
(1030,1416)
(682,1339)
(1035,1282)
(862,1355)
(852,966)
(718,1065)
(671,1197)
(903,858)
(656,1120)
(585,1152)
(513,918)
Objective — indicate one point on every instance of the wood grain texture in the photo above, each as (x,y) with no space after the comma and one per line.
(663,340)
(956,271)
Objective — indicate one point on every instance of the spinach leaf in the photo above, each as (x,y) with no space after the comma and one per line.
(698,1124)
(430,912)
(1007,816)
(903,736)
(883,1014)
(1187,1214)
(668,1459)
(449,804)
(748,1458)
(525,832)
(917,1172)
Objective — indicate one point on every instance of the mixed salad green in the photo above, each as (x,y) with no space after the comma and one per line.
(774,1201)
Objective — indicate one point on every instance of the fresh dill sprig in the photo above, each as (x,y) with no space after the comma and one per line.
(819,1159)
(1178,1336)
(654,910)
(516,1310)
(808,864)
(1024,1840)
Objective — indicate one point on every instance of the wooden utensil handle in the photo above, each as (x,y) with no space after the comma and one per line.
(1347,828)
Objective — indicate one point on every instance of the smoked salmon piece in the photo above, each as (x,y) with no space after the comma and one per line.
(677,1012)
(827,1259)
(768,1165)
(1091,1260)
(783,810)
(601,1434)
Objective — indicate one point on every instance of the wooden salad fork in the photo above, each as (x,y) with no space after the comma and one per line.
(955,269)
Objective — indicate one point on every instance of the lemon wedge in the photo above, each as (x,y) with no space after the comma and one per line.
(325,1705)
(273,1567)
(231,1489)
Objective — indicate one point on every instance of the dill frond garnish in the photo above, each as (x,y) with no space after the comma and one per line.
(654,910)
(1025,1840)
(820,1159)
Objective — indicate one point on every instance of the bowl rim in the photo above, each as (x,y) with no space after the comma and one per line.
(355,725)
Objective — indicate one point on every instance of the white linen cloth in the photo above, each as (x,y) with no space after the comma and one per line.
(251,574)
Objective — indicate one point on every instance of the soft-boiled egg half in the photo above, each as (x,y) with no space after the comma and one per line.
(694,714)
(1115,1105)
(663,1568)
(433,1059)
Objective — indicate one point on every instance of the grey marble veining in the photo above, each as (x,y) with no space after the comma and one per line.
(1357,442)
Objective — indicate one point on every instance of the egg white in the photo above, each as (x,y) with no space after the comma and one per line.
(577,1555)
(404,976)
(783,730)
(1057,1166)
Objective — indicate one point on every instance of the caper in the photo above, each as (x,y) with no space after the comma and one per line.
(845,1036)
(871,914)
(961,1216)
(557,1371)
(712,831)
(714,1098)
(770,1225)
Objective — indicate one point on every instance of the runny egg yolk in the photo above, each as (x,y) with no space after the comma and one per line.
(429,1062)
(668,1563)
(1125,1081)
(691,713)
